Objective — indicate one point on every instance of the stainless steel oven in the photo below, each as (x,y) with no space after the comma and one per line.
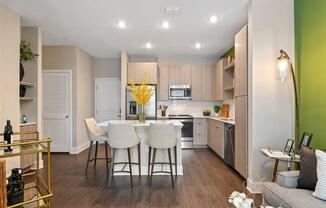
(187,131)
(180,92)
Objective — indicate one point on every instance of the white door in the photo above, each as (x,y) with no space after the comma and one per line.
(107,99)
(57,108)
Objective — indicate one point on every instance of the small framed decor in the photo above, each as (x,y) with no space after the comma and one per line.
(305,140)
(289,146)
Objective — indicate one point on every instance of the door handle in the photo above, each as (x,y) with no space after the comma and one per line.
(67,116)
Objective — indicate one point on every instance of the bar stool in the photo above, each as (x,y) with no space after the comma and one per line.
(96,134)
(123,136)
(162,136)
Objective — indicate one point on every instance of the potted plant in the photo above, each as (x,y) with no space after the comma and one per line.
(217,108)
(141,94)
(26,54)
(206,112)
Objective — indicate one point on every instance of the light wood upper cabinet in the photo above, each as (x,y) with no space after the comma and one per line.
(179,74)
(202,81)
(218,81)
(137,70)
(241,138)
(241,62)
(163,82)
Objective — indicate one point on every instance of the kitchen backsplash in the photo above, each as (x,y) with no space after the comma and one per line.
(192,107)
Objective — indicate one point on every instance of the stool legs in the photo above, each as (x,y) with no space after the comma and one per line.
(89,156)
(139,167)
(129,161)
(106,159)
(153,161)
(175,161)
(95,158)
(111,167)
(149,160)
(171,171)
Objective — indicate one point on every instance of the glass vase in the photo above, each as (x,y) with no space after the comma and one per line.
(142,113)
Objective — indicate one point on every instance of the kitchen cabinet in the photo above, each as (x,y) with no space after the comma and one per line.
(179,74)
(28,160)
(137,71)
(218,81)
(202,82)
(241,62)
(215,139)
(200,131)
(163,82)
(241,135)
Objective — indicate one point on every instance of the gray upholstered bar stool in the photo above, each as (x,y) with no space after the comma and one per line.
(123,136)
(96,134)
(162,137)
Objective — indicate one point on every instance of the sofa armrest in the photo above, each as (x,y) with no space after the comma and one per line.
(288,179)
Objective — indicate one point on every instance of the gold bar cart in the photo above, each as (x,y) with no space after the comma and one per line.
(37,192)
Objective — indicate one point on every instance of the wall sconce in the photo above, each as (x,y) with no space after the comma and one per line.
(285,66)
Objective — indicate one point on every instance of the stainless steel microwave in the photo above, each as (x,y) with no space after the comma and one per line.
(180,92)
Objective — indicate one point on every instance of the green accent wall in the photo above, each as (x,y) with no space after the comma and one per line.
(310,59)
(231,51)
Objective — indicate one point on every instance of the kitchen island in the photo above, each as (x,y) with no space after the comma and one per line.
(142,131)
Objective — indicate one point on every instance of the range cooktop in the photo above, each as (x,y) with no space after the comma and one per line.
(180,116)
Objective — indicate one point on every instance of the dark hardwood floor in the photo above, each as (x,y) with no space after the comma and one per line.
(206,182)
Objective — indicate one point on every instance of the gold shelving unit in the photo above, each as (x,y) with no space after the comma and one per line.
(37,192)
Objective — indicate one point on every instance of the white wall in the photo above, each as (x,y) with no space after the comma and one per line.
(9,74)
(107,67)
(271,104)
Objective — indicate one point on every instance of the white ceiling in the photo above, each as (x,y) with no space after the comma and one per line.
(91,25)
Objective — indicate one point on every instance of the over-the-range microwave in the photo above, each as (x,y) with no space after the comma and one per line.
(180,92)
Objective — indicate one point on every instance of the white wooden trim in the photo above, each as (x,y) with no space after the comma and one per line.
(69,72)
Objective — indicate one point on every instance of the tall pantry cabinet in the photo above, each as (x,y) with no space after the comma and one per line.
(241,102)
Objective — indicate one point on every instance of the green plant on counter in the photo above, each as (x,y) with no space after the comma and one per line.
(206,112)
(217,108)
(26,53)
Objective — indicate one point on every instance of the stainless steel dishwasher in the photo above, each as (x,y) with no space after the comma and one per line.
(229,144)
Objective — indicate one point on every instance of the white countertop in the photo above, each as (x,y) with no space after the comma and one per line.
(136,123)
(29,123)
(228,121)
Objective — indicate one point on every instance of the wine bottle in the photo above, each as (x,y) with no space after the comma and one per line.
(7,135)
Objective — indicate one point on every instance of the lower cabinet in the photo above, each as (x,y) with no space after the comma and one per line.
(215,138)
(200,131)
(28,160)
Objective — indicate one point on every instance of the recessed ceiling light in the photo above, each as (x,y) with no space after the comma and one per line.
(148,45)
(213,19)
(122,24)
(165,25)
(197,45)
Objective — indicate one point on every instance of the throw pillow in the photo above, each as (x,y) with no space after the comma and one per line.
(308,173)
(320,191)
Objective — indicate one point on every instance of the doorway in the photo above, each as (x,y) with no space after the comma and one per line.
(107,99)
(57,108)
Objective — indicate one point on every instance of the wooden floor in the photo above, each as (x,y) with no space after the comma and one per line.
(206,182)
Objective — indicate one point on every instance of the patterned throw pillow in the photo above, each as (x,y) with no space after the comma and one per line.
(320,191)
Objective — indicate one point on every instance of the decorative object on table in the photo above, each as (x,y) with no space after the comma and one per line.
(308,169)
(289,146)
(240,200)
(285,65)
(7,136)
(163,109)
(15,187)
(24,119)
(305,140)
(217,108)
(320,191)
(3,189)
(224,112)
(141,94)
(22,91)
(26,54)
(206,112)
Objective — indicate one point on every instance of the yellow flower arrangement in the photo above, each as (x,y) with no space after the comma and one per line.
(141,93)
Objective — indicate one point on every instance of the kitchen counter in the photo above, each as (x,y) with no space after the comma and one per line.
(228,121)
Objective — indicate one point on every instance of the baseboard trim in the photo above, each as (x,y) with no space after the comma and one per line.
(79,149)
(254,186)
